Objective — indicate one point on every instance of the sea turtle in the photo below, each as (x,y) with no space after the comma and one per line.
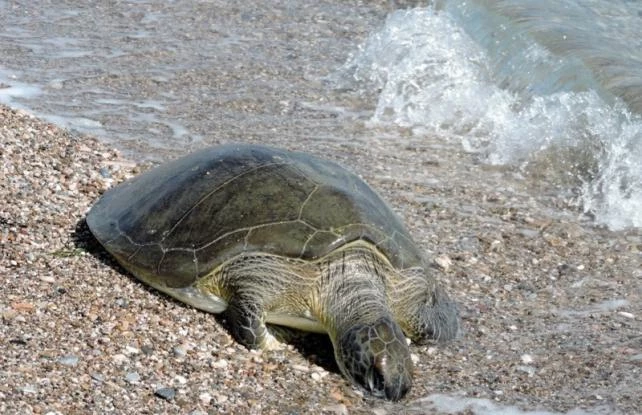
(273,237)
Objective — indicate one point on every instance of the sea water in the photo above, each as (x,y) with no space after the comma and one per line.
(549,86)
(553,87)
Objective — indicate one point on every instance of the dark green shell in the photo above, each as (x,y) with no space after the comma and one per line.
(181,220)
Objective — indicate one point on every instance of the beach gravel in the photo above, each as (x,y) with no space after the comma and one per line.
(550,304)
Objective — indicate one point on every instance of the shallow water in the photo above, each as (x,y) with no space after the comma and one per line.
(453,404)
(152,76)
(554,88)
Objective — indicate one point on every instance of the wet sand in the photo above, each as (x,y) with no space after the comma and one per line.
(550,304)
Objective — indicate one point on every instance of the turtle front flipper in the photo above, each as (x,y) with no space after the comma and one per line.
(369,346)
(246,319)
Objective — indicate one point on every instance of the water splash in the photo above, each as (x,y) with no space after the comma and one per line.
(553,119)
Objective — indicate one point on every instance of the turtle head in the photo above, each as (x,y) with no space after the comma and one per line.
(376,358)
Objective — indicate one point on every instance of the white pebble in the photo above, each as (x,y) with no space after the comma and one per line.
(414,358)
(626,314)
(205,397)
(220,364)
(526,359)
(336,409)
(180,379)
(221,398)
(129,350)
(321,374)
(301,368)
(119,358)
(444,262)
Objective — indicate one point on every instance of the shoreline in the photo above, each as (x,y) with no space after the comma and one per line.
(550,304)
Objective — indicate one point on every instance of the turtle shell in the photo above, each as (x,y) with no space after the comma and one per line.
(181,220)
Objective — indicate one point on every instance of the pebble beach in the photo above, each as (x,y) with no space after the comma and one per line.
(550,303)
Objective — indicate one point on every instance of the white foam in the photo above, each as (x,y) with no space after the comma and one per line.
(453,404)
(434,78)
(11,88)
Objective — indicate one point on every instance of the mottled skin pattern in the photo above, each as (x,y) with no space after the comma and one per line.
(270,236)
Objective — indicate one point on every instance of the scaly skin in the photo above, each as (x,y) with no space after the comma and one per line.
(353,294)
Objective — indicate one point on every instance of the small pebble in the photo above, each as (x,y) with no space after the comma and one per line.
(132,377)
(179,351)
(340,409)
(23,307)
(129,350)
(530,370)
(165,393)
(526,359)
(56,84)
(205,397)
(496,246)
(220,364)
(444,262)
(29,389)
(69,360)
(147,349)
(626,314)
(221,398)
(120,358)
(301,368)
(99,377)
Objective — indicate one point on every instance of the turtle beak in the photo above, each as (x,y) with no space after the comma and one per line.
(376,382)
(383,386)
